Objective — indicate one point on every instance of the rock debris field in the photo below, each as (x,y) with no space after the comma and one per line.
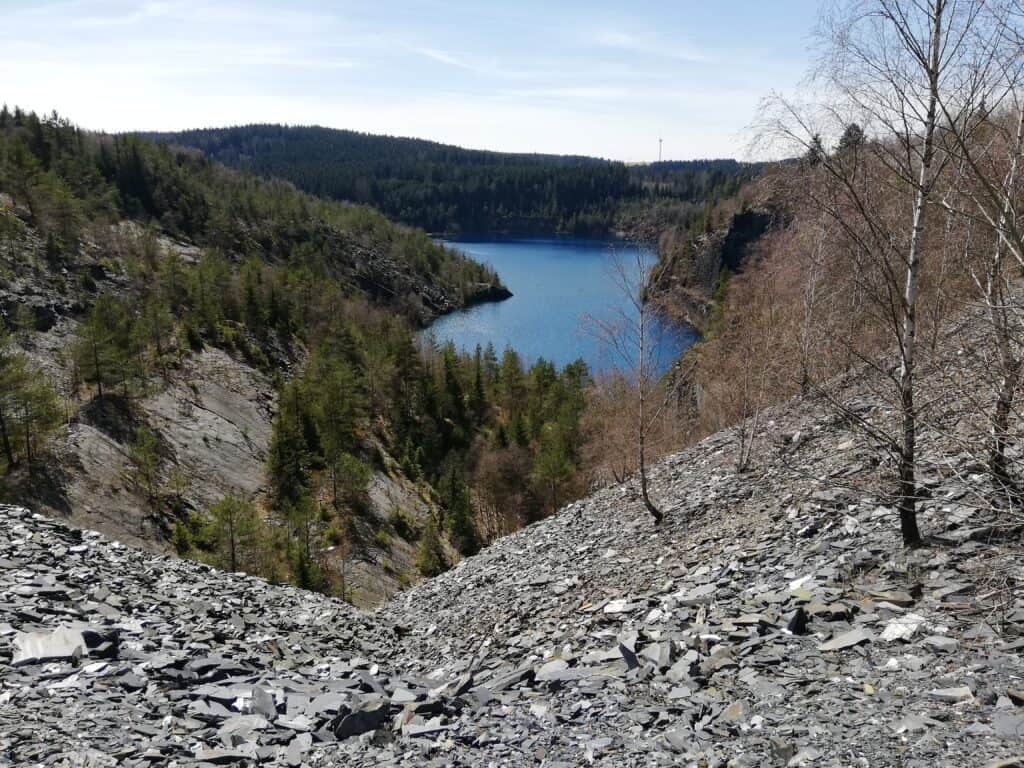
(773,620)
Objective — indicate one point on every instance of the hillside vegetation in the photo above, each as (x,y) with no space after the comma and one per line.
(448,189)
(241,359)
(901,214)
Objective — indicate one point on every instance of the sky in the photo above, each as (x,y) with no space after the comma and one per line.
(598,78)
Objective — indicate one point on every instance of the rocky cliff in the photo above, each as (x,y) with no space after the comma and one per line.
(773,619)
(211,412)
(689,272)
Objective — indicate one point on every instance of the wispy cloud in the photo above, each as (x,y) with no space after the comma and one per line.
(645,44)
(484,67)
(444,57)
(124,18)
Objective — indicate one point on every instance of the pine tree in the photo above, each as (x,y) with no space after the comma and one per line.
(430,558)
(233,530)
(553,464)
(852,138)
(478,398)
(337,403)
(102,351)
(289,451)
(306,530)
(815,152)
(145,457)
(458,511)
(29,406)
(13,380)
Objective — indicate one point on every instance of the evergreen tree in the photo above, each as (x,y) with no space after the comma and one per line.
(145,457)
(337,403)
(478,397)
(430,557)
(458,507)
(306,528)
(852,138)
(815,152)
(104,343)
(289,452)
(14,379)
(233,533)
(553,464)
(29,406)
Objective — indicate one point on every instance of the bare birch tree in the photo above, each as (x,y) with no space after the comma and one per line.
(985,128)
(632,339)
(891,66)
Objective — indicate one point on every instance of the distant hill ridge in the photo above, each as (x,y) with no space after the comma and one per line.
(449,189)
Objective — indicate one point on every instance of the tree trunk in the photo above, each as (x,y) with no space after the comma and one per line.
(642,374)
(655,512)
(908,333)
(232,544)
(5,439)
(998,314)
(1000,421)
(96,367)
(28,438)
(334,484)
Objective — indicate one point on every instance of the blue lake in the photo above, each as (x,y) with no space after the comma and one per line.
(556,282)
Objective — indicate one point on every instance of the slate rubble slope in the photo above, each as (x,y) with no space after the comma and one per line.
(773,620)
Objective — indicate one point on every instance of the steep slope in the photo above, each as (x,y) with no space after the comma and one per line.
(201,291)
(772,620)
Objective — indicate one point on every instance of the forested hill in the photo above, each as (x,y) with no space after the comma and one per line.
(189,354)
(448,189)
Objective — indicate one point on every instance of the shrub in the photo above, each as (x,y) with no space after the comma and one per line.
(430,558)
(402,524)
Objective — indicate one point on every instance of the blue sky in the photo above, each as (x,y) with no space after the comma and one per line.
(597,78)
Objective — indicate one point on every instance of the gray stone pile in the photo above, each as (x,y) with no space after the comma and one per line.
(109,656)
(774,619)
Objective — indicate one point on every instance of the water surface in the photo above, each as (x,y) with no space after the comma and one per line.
(556,282)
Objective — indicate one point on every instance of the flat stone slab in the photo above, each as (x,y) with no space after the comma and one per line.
(952,695)
(847,640)
(62,644)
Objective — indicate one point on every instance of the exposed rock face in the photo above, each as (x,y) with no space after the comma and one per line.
(212,421)
(688,276)
(479,293)
(772,620)
(383,564)
(211,413)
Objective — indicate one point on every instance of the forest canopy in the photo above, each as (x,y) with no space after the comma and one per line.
(447,189)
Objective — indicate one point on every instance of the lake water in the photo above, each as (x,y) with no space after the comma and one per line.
(555,282)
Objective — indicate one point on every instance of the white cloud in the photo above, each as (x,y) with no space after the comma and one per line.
(444,57)
(645,44)
(126,17)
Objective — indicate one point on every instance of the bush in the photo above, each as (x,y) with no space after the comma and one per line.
(182,539)
(430,558)
(402,524)
(192,338)
(335,535)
